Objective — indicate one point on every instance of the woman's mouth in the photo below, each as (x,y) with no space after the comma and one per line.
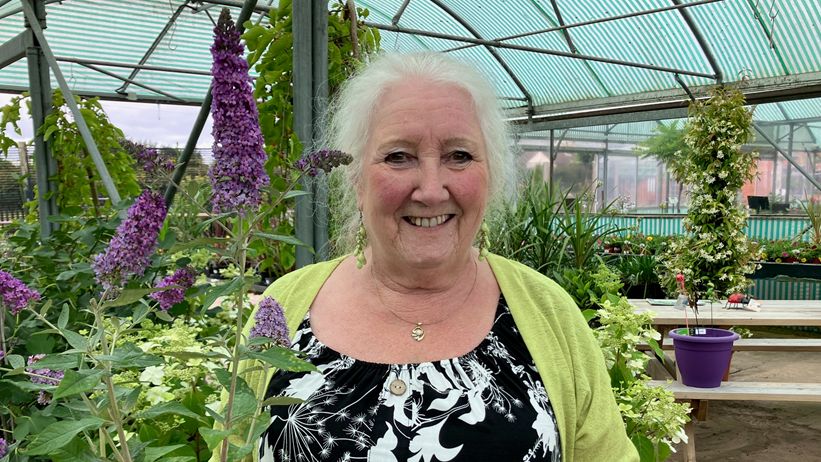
(428,222)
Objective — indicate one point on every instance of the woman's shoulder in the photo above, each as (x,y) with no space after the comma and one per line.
(302,283)
(512,274)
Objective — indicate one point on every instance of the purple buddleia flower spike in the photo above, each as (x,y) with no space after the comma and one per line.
(184,278)
(15,295)
(130,249)
(43,376)
(323,160)
(152,161)
(4,448)
(238,172)
(269,322)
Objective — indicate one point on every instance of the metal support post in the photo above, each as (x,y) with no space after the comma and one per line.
(45,165)
(319,59)
(34,25)
(303,121)
(789,167)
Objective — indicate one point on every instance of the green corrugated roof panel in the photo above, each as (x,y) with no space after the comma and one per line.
(117,31)
(773,44)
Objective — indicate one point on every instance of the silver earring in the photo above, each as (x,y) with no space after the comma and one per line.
(361,243)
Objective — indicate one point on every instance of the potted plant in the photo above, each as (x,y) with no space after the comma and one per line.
(713,259)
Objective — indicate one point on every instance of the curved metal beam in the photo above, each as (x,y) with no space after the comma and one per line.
(491,50)
(173,19)
(596,21)
(705,47)
(497,44)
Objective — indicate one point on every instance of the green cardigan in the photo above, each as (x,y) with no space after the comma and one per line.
(566,354)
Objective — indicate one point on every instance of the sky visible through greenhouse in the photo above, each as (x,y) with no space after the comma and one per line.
(162,125)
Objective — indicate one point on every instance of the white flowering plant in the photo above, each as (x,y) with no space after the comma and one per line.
(715,254)
(653,419)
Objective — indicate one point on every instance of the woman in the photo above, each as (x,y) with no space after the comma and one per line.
(426,350)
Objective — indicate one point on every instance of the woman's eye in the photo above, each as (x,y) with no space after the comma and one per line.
(397,158)
(459,158)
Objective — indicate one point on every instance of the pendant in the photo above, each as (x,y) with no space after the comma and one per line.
(418,333)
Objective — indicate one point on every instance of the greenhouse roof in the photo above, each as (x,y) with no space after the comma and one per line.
(552,61)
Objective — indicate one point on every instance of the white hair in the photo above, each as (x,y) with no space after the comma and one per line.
(349,122)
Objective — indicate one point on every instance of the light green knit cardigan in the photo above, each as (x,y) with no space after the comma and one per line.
(566,354)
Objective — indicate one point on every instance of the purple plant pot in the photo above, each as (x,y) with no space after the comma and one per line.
(703,359)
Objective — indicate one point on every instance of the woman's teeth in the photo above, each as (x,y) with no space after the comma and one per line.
(425,222)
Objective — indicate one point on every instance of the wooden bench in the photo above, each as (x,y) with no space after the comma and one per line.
(735,391)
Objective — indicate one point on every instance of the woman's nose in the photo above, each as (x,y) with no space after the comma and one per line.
(431,187)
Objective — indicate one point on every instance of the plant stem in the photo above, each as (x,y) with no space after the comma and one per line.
(242,252)
(125,454)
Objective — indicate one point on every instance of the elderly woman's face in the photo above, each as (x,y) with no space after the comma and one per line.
(425,177)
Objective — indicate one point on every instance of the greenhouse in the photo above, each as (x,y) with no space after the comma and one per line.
(625,182)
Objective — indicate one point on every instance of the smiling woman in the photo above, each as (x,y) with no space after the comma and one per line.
(430,348)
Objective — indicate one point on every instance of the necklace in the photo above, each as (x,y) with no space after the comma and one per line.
(418,332)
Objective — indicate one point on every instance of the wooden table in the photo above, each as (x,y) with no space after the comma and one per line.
(773,313)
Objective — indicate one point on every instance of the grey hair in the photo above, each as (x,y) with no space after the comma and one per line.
(349,120)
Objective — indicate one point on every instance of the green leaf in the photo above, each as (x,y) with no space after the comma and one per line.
(78,382)
(281,401)
(74,339)
(213,437)
(61,361)
(221,290)
(16,361)
(63,320)
(129,296)
(283,359)
(283,238)
(295,193)
(644,447)
(59,434)
(129,355)
(154,453)
(26,385)
(170,407)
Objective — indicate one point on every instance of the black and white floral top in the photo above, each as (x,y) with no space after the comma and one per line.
(489,404)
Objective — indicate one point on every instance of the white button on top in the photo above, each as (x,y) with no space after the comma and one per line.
(398,387)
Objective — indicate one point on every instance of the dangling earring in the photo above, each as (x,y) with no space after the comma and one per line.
(484,241)
(361,243)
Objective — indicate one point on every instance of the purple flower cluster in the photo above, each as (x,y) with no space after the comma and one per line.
(150,159)
(130,249)
(4,448)
(43,376)
(14,294)
(184,278)
(238,173)
(323,160)
(269,322)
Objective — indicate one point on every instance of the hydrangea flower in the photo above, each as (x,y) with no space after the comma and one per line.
(43,376)
(183,277)
(323,160)
(238,172)
(130,249)
(269,322)
(14,294)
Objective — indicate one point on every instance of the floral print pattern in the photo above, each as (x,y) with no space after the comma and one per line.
(489,404)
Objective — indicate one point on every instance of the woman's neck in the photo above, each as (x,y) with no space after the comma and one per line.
(426,296)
